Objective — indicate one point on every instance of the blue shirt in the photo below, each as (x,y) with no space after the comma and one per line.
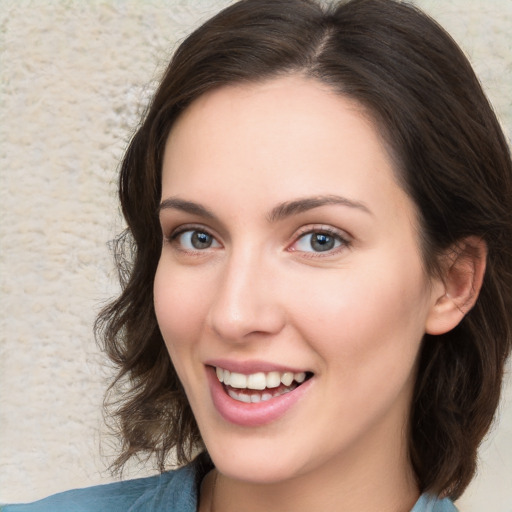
(173,491)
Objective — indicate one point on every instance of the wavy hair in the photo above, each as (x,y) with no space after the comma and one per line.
(451,158)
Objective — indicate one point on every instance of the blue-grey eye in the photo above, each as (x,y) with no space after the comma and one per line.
(194,240)
(317,241)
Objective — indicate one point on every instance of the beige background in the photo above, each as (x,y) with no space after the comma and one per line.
(74,77)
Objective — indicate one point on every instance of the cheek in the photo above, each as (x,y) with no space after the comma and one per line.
(366,317)
(179,311)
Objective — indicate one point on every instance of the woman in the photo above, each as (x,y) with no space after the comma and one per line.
(319,208)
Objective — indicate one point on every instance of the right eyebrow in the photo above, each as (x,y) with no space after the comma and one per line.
(175,203)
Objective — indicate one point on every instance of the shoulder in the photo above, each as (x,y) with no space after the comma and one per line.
(430,503)
(173,490)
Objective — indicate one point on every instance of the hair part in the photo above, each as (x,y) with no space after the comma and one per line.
(451,158)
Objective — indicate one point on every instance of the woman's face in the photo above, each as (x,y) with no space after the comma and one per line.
(291,269)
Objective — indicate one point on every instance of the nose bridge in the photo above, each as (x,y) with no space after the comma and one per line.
(244,303)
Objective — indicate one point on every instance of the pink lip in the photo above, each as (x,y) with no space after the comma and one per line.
(253,414)
(248,367)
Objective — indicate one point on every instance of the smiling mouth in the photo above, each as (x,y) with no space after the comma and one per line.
(260,386)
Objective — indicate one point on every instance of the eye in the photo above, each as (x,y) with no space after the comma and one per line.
(194,240)
(319,241)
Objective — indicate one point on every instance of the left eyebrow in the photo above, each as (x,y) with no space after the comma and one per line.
(304,204)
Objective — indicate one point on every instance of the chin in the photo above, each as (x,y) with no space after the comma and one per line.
(255,471)
(258,461)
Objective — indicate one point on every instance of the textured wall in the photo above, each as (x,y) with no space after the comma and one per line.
(74,75)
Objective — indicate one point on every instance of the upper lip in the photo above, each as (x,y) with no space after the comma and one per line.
(251,366)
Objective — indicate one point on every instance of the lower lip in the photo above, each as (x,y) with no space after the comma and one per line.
(253,414)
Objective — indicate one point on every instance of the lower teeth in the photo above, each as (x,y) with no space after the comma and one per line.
(258,397)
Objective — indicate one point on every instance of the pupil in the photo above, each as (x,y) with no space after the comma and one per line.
(201,240)
(322,242)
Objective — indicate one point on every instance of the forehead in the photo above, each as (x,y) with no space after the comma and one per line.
(277,139)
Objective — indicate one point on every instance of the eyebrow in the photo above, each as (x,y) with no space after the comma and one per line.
(304,204)
(279,212)
(185,206)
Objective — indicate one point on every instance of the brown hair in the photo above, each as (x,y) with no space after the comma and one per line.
(452,159)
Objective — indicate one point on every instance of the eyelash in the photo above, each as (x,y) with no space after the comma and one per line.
(173,238)
(338,236)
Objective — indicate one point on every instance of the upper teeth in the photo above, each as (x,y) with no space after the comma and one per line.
(258,380)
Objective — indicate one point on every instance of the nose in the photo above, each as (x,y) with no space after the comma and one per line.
(246,301)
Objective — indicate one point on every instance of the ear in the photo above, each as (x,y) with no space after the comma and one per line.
(456,290)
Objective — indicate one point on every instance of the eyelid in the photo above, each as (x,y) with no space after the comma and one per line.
(341,235)
(183,228)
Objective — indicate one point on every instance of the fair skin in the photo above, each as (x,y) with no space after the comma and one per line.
(290,248)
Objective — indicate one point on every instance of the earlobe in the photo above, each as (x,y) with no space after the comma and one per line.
(457,290)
